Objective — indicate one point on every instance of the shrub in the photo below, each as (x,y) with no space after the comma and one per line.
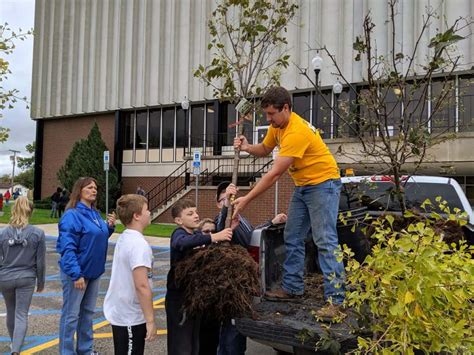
(415,290)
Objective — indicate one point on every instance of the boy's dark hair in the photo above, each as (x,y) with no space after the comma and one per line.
(128,205)
(220,188)
(181,205)
(277,97)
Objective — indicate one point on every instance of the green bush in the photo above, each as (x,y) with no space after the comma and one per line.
(86,159)
(415,291)
(44,204)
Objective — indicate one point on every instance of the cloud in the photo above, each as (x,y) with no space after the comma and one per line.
(18,14)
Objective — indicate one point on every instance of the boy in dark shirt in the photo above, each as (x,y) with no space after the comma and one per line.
(183,334)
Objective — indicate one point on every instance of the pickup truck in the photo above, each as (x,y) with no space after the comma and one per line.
(289,327)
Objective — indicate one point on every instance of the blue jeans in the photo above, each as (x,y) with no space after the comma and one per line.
(77,315)
(315,207)
(231,342)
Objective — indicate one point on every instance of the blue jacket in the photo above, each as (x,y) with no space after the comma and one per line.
(82,242)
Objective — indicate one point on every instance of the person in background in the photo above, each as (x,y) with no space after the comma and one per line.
(63,201)
(140,191)
(54,203)
(22,265)
(7,196)
(1,202)
(82,246)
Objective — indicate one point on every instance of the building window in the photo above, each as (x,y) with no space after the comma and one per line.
(466,105)
(181,130)
(128,132)
(197,126)
(167,138)
(302,105)
(210,117)
(324,114)
(154,130)
(140,132)
(443,107)
(229,115)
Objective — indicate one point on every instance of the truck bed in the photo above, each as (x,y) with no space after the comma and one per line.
(290,325)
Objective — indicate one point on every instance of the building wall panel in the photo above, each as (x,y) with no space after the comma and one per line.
(96,56)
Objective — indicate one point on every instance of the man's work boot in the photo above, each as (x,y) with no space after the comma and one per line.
(281,295)
(331,313)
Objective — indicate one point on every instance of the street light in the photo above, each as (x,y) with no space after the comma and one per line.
(317,64)
(336,89)
(185,107)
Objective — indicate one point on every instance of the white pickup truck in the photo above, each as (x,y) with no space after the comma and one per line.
(288,327)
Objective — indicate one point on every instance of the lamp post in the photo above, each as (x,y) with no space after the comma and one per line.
(187,124)
(317,64)
(336,89)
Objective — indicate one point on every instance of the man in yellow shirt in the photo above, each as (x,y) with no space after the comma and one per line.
(314,203)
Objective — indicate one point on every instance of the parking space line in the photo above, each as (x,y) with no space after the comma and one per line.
(110,335)
(96,326)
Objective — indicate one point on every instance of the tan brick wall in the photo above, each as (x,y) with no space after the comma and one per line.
(59,138)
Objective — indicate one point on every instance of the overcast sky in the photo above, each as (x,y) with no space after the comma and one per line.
(18,14)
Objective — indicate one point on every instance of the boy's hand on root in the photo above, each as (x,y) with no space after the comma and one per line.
(222,236)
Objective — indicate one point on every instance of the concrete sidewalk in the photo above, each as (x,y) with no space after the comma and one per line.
(52,230)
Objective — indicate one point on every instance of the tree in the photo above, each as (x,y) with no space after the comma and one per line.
(246,47)
(27,176)
(390,117)
(86,159)
(247,51)
(29,162)
(8,97)
(5,178)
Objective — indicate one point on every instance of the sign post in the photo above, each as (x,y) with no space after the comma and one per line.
(197,170)
(106,169)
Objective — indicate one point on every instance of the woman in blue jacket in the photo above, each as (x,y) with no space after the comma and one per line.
(82,245)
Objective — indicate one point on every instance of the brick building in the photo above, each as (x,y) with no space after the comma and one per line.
(128,65)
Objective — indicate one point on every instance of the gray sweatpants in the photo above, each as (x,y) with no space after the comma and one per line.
(17,295)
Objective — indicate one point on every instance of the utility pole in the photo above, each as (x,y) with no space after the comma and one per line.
(13,159)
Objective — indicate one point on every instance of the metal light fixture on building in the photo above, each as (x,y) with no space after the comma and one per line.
(187,127)
(185,104)
(337,88)
(317,64)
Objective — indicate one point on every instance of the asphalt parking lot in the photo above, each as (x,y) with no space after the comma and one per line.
(45,310)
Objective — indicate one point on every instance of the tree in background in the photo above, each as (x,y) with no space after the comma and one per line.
(247,47)
(27,176)
(8,97)
(87,159)
(390,117)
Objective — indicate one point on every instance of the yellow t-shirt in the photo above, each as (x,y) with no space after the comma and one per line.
(314,162)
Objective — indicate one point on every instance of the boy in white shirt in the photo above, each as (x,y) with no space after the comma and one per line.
(128,304)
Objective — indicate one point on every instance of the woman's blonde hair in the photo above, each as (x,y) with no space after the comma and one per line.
(21,212)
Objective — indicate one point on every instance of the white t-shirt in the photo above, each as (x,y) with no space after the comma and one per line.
(121,304)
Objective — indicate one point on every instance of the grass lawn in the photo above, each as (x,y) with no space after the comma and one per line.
(41,216)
